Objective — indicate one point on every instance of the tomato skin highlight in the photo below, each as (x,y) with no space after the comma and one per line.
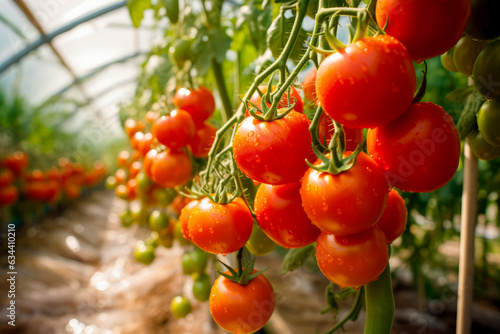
(175,130)
(393,220)
(220,228)
(263,149)
(420,151)
(242,309)
(281,216)
(445,23)
(352,261)
(369,83)
(171,168)
(346,203)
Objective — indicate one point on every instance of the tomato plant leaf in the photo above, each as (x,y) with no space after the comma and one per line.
(208,44)
(136,9)
(295,258)
(467,122)
(278,34)
(460,95)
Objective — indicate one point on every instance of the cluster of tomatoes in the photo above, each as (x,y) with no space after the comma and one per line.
(65,180)
(477,55)
(165,151)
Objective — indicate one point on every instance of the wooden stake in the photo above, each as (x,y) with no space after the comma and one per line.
(467,234)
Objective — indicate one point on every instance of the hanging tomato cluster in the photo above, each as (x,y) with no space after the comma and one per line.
(168,148)
(63,181)
(476,55)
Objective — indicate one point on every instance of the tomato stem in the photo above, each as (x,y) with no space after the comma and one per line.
(379,304)
(353,313)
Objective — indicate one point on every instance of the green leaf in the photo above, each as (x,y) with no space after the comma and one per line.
(278,34)
(136,9)
(210,43)
(295,258)
(467,122)
(460,95)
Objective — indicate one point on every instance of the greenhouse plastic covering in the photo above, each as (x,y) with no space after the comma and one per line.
(86,51)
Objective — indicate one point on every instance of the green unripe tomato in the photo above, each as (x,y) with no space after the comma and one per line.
(153,239)
(139,215)
(482,149)
(126,219)
(180,51)
(465,53)
(202,287)
(143,181)
(164,196)
(158,221)
(486,72)
(447,61)
(172,7)
(144,253)
(194,262)
(488,121)
(180,306)
(259,243)
(111,182)
(166,237)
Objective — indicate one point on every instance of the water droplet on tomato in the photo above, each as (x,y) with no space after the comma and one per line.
(211,230)
(340,261)
(200,229)
(250,134)
(339,212)
(257,158)
(351,268)
(325,206)
(386,166)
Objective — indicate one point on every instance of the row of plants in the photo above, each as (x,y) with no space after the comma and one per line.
(336,176)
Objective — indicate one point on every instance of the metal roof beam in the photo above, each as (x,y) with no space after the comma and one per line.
(49,37)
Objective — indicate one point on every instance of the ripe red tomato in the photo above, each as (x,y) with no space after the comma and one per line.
(145,144)
(353,260)
(199,103)
(184,219)
(220,228)
(419,151)
(242,309)
(16,163)
(6,177)
(151,116)
(175,130)
(294,97)
(309,85)
(281,216)
(369,83)
(445,23)
(120,176)
(263,149)
(134,169)
(326,129)
(393,221)
(132,189)
(202,141)
(148,161)
(8,195)
(346,203)
(171,168)
(123,158)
